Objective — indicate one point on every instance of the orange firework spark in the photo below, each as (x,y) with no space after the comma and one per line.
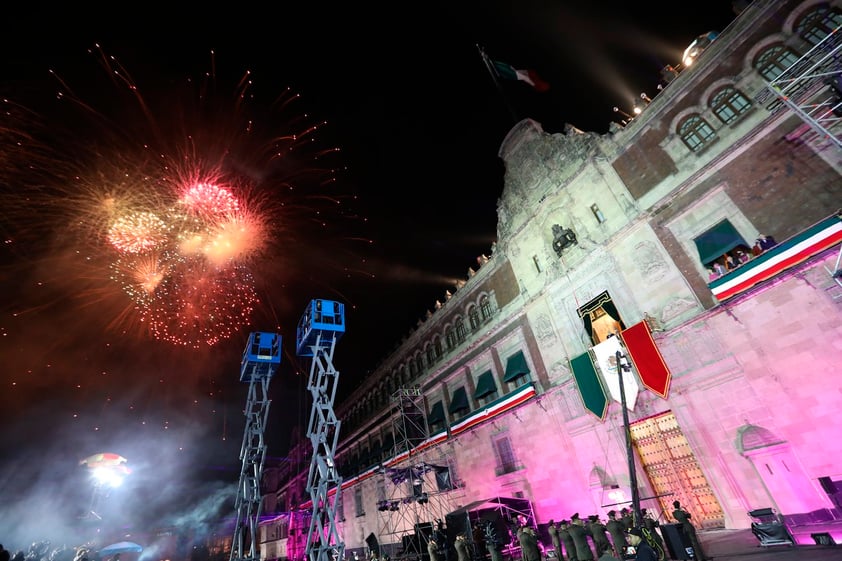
(179,197)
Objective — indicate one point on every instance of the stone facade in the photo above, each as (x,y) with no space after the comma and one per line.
(751,417)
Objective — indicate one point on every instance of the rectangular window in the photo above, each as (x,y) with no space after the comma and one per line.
(597,214)
(505,455)
(486,388)
(459,403)
(340,506)
(436,419)
(517,371)
(358,501)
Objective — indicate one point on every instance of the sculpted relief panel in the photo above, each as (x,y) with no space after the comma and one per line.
(651,264)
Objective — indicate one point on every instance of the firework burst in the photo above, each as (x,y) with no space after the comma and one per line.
(182,199)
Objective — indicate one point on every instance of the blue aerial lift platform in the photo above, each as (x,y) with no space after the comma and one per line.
(322,320)
(261,359)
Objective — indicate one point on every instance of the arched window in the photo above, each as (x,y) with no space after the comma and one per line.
(774,60)
(461,333)
(728,104)
(485,306)
(437,348)
(473,316)
(430,355)
(818,24)
(450,337)
(419,363)
(413,368)
(695,132)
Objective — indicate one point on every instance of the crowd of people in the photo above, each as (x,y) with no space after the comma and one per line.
(617,538)
(739,256)
(45,551)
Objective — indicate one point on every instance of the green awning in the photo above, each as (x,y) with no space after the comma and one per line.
(436,414)
(388,443)
(720,239)
(516,367)
(485,385)
(459,401)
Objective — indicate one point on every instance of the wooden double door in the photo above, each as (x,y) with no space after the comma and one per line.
(673,471)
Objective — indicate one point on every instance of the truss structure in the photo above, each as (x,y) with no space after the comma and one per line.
(416,490)
(812,88)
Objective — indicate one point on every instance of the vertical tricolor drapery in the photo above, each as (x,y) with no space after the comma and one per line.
(606,358)
(590,388)
(646,358)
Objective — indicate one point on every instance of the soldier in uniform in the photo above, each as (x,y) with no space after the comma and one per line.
(580,538)
(461,546)
(552,530)
(652,525)
(683,517)
(492,541)
(627,518)
(433,550)
(528,538)
(567,540)
(617,531)
(599,534)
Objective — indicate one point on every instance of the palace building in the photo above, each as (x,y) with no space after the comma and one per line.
(504,404)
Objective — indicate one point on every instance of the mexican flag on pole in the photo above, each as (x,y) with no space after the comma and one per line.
(509,72)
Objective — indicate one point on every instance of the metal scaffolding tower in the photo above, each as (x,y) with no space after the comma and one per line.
(260,359)
(320,327)
(416,492)
(812,87)
(410,421)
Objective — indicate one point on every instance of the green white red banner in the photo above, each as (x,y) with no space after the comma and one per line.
(785,255)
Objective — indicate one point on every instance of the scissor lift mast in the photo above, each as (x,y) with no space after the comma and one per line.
(260,360)
(320,327)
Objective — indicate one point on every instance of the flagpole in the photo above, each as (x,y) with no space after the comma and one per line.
(635,492)
(493,74)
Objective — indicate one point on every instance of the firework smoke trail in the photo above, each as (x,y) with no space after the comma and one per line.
(179,199)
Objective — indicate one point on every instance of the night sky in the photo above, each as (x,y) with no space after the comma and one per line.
(362,143)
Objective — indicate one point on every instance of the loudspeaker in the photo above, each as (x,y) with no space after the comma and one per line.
(373,546)
(828,485)
(677,541)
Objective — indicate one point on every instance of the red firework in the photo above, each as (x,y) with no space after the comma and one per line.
(199,305)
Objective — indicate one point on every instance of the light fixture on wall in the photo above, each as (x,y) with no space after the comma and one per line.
(563,238)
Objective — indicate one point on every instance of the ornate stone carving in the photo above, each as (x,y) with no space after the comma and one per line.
(650,262)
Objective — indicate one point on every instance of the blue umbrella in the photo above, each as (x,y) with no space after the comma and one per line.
(120,547)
